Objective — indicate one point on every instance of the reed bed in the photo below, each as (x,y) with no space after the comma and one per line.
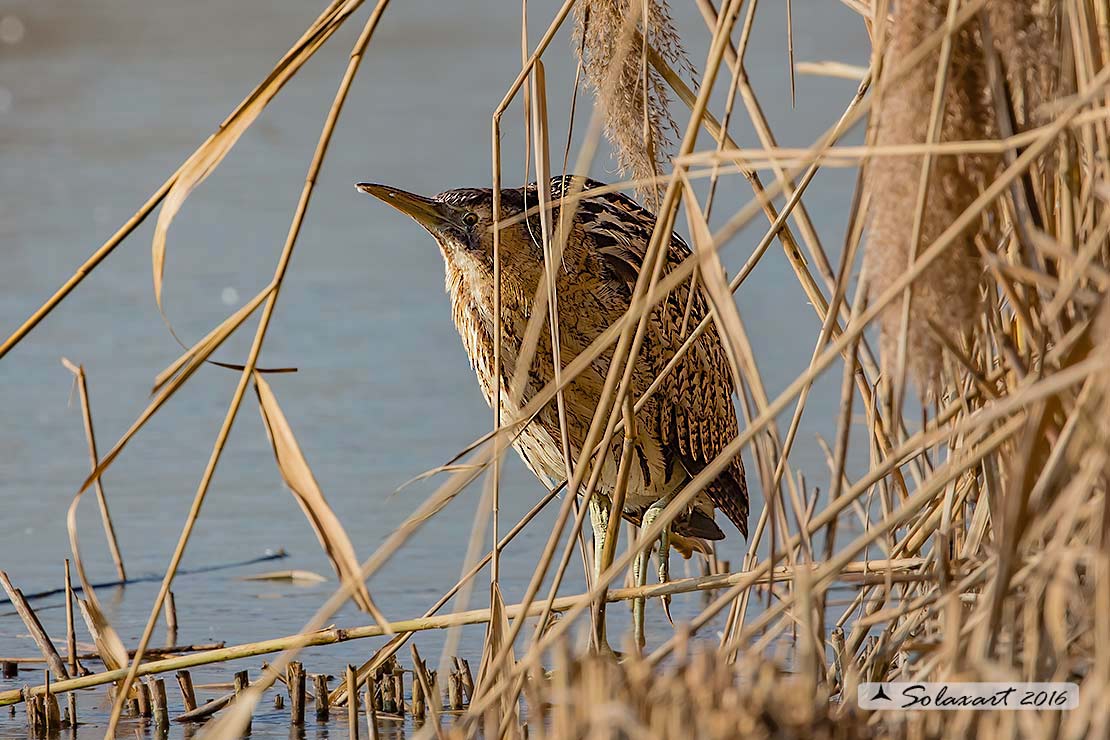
(975,544)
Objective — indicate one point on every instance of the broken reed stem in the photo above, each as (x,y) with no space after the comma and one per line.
(188,695)
(861,571)
(427,688)
(372,711)
(52,719)
(71,633)
(171,619)
(142,693)
(242,683)
(320,689)
(202,712)
(34,626)
(94,459)
(158,699)
(352,701)
(296,679)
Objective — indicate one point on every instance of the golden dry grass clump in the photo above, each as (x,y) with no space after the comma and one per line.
(632,95)
(700,697)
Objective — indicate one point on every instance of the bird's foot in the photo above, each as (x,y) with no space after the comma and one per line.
(664,544)
(599,520)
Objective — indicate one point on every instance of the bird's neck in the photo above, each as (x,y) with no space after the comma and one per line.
(472,309)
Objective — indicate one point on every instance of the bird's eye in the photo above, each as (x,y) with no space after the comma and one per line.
(470,218)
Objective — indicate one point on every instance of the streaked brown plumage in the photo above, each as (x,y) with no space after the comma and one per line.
(689,419)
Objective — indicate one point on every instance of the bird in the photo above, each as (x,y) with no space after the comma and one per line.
(684,424)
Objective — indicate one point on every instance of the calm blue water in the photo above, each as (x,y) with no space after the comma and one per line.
(100,101)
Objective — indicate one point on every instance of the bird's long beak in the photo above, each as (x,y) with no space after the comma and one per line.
(429,213)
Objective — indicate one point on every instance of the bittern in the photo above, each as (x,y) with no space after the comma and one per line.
(683,425)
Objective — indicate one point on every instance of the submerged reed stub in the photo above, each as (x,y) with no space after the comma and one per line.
(320,688)
(295,679)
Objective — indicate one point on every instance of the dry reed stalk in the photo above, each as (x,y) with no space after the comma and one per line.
(90,437)
(162,652)
(71,646)
(427,689)
(371,710)
(188,695)
(351,679)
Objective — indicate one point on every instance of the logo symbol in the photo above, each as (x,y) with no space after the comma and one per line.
(880,694)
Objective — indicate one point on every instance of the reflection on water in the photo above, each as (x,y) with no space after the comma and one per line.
(98,103)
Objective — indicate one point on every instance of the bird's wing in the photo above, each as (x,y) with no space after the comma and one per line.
(695,419)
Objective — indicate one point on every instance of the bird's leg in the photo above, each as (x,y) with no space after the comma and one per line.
(665,568)
(599,520)
(639,578)
(640,567)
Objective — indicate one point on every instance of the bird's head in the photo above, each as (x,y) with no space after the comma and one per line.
(461,221)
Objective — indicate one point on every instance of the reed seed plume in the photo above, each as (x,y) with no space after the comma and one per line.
(631,93)
(1023,38)
(947,293)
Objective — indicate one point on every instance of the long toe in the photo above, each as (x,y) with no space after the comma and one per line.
(665,571)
